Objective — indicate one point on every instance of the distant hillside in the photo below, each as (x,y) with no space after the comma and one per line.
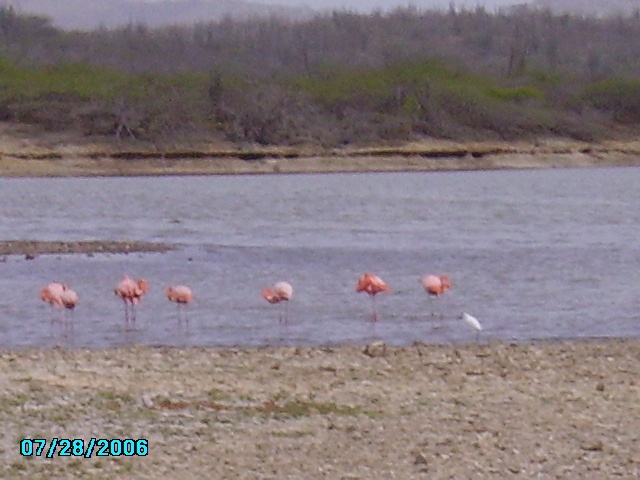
(590,7)
(92,14)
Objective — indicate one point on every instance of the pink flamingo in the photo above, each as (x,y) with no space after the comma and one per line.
(69,299)
(59,295)
(436,285)
(279,292)
(52,294)
(372,285)
(180,295)
(131,293)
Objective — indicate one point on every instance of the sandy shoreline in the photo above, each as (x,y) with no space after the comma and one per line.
(84,167)
(33,157)
(541,410)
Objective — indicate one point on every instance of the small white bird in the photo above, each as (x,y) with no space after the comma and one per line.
(472,322)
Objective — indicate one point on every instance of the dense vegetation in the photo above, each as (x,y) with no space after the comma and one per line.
(336,79)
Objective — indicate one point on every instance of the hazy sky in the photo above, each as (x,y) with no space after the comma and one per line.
(386,4)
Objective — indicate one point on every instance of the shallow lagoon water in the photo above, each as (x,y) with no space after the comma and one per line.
(537,254)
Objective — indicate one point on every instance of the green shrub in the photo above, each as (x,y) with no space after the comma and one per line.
(619,96)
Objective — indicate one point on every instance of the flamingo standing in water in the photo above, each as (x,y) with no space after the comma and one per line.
(59,295)
(180,295)
(52,294)
(69,299)
(436,285)
(131,293)
(372,285)
(279,292)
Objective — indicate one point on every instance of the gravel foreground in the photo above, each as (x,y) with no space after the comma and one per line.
(498,410)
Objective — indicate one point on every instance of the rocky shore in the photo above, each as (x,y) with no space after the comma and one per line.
(498,410)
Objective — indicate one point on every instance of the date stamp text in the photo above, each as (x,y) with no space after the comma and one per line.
(78,447)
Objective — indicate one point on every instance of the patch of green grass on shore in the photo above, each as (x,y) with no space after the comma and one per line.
(332,84)
(87,82)
(76,80)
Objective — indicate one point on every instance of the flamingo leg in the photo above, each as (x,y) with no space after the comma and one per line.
(435,302)
(280,314)
(182,312)
(68,318)
(126,311)
(375,312)
(54,313)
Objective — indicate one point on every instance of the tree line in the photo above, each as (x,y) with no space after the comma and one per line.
(336,78)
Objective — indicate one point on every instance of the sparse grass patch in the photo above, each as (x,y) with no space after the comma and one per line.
(215,394)
(291,434)
(61,416)
(14,400)
(301,409)
(373,414)
(295,408)
(111,395)
(112,401)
